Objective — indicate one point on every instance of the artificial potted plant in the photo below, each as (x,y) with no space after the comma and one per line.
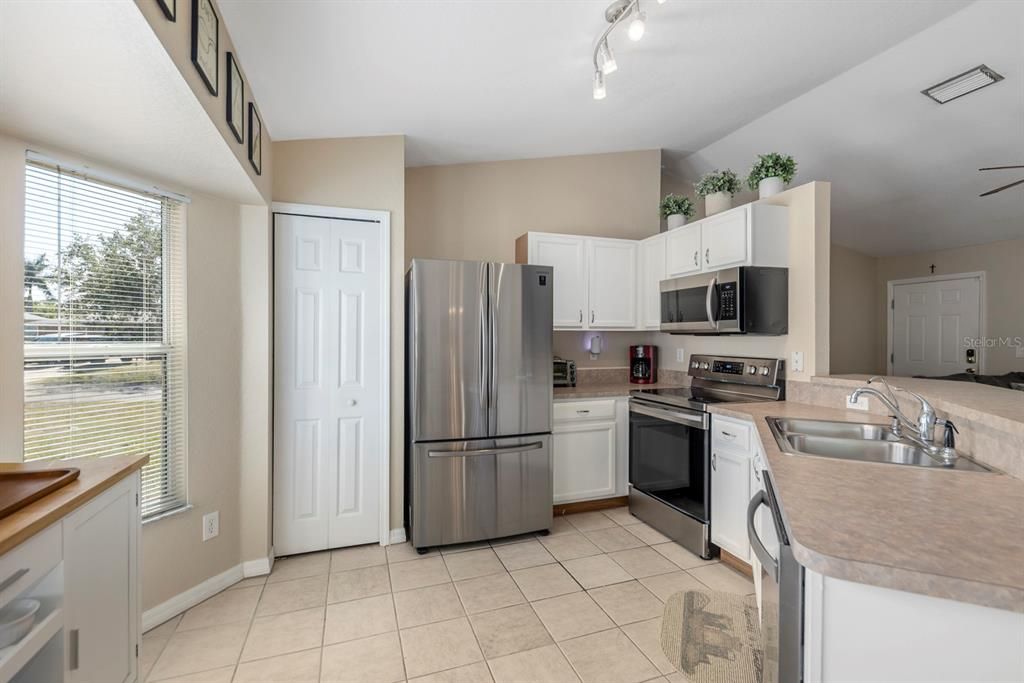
(676,210)
(717,188)
(771,173)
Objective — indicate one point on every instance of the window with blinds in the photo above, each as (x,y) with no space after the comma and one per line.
(104,327)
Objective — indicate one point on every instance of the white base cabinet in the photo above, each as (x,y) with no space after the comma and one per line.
(732,454)
(588,449)
(83,570)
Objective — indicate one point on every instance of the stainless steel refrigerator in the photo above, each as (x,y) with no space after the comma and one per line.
(478,400)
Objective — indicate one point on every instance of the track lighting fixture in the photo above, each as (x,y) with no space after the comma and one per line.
(599,91)
(636,27)
(604,59)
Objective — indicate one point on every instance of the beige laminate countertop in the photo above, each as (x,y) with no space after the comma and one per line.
(945,533)
(607,390)
(97,475)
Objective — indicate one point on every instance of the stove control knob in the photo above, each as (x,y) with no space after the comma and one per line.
(752,370)
(764,371)
(704,366)
(694,364)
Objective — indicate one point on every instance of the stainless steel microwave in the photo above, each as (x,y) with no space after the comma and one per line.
(744,300)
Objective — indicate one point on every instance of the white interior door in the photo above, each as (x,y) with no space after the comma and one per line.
(329,392)
(931,324)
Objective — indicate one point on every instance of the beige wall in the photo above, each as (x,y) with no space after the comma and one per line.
(176,38)
(1003,264)
(856,345)
(360,173)
(476,211)
(174,556)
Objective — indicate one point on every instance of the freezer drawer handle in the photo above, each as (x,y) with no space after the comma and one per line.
(767,561)
(535,445)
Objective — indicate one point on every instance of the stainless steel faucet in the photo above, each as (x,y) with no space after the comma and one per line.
(923,426)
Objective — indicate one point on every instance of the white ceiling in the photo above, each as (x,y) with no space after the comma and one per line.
(488,80)
(97,84)
(904,170)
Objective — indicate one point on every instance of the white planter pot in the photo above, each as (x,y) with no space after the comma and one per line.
(717,203)
(676,220)
(769,186)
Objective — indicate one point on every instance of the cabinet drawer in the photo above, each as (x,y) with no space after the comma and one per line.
(732,435)
(29,562)
(584,410)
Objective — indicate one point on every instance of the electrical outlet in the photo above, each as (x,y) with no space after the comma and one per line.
(797,362)
(860,404)
(211,525)
(1020,350)
(681,355)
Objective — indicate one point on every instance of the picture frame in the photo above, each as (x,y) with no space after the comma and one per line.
(206,43)
(235,107)
(169,8)
(255,139)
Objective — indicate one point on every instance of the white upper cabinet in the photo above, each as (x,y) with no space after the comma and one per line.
(567,255)
(749,235)
(724,239)
(652,260)
(683,255)
(611,265)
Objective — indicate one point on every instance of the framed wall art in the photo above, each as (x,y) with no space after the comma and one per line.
(169,8)
(235,99)
(255,140)
(206,42)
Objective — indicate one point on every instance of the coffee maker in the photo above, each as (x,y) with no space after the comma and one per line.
(643,364)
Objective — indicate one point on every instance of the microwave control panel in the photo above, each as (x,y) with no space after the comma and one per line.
(727,301)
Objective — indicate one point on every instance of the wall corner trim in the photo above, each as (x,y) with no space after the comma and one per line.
(397,536)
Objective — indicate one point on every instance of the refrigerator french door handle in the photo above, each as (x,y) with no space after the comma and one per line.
(486,350)
(492,329)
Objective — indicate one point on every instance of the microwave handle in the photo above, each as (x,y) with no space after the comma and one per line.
(707,301)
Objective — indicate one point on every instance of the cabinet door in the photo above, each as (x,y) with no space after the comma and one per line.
(682,251)
(730,494)
(567,255)
(101,608)
(611,267)
(584,460)
(652,272)
(724,239)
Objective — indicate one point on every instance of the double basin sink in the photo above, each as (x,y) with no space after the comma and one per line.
(858,441)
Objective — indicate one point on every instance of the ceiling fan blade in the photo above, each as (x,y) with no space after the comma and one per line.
(1000,189)
(998,168)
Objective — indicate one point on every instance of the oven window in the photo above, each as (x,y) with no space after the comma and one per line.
(684,305)
(668,461)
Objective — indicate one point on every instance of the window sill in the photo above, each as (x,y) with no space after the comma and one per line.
(165,515)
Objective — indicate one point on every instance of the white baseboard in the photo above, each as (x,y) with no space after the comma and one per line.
(260,567)
(397,535)
(190,598)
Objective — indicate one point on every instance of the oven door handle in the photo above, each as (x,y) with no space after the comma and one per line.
(707,302)
(699,421)
(769,563)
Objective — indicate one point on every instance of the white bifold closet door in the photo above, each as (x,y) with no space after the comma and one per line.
(329,337)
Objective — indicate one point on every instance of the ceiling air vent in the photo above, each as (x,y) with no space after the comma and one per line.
(964,84)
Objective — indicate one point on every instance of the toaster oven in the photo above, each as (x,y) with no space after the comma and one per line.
(564,372)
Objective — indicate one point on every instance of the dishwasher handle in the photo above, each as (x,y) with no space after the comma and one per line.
(768,563)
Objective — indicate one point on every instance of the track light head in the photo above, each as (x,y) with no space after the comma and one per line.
(637,26)
(599,91)
(606,58)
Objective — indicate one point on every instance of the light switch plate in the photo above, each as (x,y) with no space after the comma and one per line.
(797,362)
(681,355)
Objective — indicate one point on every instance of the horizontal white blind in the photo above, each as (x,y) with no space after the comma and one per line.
(104,327)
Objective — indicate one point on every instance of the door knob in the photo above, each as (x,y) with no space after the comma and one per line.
(352,402)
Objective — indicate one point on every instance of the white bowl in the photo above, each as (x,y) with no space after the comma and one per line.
(16,620)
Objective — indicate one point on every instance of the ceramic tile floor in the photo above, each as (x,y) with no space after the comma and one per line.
(583,603)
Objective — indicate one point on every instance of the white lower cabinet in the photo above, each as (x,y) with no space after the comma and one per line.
(83,569)
(588,450)
(731,485)
(101,604)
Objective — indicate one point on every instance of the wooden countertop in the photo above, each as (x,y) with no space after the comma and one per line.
(945,533)
(97,475)
(607,390)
